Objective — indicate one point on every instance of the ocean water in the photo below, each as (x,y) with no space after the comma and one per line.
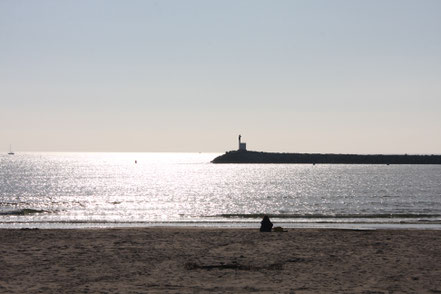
(69,190)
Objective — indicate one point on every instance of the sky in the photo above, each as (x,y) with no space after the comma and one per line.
(341,76)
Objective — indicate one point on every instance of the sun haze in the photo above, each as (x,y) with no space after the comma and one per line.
(292,76)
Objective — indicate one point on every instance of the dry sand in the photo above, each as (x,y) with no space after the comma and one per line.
(193,260)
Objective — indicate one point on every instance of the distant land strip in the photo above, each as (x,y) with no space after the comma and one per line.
(244,156)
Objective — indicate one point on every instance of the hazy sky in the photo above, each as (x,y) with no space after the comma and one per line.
(296,76)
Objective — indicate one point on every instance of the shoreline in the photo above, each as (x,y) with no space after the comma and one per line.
(436,225)
(213,260)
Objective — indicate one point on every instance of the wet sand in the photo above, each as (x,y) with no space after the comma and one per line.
(194,260)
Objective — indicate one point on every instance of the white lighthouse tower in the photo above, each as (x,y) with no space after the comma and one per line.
(242,146)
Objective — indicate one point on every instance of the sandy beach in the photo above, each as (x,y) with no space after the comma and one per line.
(195,260)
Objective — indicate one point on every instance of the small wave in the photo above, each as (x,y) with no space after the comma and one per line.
(24,211)
(332,216)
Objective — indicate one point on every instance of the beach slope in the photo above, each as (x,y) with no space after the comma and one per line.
(193,260)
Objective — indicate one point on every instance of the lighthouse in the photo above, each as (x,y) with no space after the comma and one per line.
(242,146)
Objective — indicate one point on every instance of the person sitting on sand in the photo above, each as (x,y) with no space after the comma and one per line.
(266,225)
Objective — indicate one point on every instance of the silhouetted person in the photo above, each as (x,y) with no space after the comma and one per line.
(266,225)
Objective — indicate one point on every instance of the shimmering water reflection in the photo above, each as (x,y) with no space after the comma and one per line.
(185,188)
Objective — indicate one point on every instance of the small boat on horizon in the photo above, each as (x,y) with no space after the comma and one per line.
(10,150)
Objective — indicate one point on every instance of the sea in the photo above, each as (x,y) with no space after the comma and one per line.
(102,190)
